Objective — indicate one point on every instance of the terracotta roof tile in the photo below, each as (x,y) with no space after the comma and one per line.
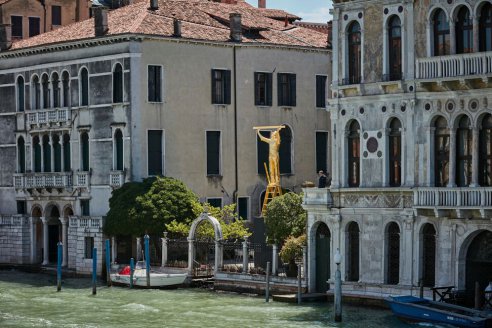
(201,20)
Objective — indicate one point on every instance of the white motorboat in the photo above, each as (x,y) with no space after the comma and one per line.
(157,279)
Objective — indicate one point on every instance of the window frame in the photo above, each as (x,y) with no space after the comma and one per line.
(485,26)
(321,98)
(83,160)
(463,28)
(440,134)
(317,168)
(248,207)
(88,247)
(207,199)
(81,87)
(34,19)
(394,66)
(116,153)
(353,139)
(160,86)
(394,179)
(268,85)
(223,84)
(354,54)
(21,27)
(440,34)
(35,83)
(21,155)
(20,93)
(287,90)
(58,16)
(162,153)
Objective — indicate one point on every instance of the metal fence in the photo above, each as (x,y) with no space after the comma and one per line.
(232,256)
(177,253)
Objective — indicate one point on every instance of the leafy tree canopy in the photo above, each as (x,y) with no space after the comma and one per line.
(284,217)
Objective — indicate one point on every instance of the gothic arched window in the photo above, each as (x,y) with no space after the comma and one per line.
(21,155)
(441,33)
(485,34)
(441,152)
(285,151)
(67,161)
(118,84)
(57,153)
(395,153)
(45,85)
(35,93)
(84,149)
(46,153)
(118,151)
(394,35)
(20,94)
(354,53)
(66,89)
(36,148)
(353,150)
(464,31)
(464,149)
(84,87)
(485,153)
(55,85)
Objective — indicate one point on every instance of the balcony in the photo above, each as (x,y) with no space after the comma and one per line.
(52,116)
(462,67)
(453,202)
(116,178)
(43,180)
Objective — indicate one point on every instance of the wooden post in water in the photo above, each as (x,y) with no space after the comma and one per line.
(147,260)
(267,289)
(59,267)
(108,263)
(421,289)
(94,270)
(132,270)
(299,284)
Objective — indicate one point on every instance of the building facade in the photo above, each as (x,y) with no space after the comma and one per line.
(410,197)
(102,102)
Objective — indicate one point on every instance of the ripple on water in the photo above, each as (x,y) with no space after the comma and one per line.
(139,308)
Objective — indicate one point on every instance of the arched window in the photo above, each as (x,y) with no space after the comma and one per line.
(36,148)
(84,149)
(84,87)
(66,89)
(20,94)
(485,153)
(118,84)
(45,84)
(393,254)
(46,153)
(353,150)
(66,153)
(21,155)
(428,255)
(441,152)
(395,153)
(464,31)
(354,53)
(394,35)
(485,35)
(285,151)
(441,33)
(55,85)
(118,150)
(57,153)
(464,149)
(35,93)
(353,252)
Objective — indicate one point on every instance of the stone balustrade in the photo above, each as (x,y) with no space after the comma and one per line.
(454,65)
(43,180)
(38,117)
(116,178)
(453,197)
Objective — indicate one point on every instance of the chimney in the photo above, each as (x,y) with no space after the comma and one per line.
(261,3)
(177,28)
(5,37)
(236,30)
(100,21)
(154,4)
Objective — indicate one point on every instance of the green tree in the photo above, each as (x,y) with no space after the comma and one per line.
(284,217)
(145,207)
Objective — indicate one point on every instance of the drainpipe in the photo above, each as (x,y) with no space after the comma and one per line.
(43,3)
(234,194)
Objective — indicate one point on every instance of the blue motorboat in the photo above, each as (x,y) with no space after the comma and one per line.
(420,309)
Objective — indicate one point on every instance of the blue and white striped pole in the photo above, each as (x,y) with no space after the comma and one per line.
(59,267)
(108,263)
(94,270)
(147,259)
(132,269)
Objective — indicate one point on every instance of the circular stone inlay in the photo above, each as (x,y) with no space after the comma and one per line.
(372,144)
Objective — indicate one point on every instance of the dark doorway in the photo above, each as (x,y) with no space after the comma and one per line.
(53,238)
(478,264)
(323,239)
(429,255)
(393,242)
(353,252)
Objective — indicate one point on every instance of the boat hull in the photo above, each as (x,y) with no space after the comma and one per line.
(417,309)
(157,280)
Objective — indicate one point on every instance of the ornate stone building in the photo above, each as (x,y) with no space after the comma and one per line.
(411,124)
(172,89)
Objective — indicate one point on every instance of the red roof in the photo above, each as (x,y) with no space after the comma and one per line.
(201,20)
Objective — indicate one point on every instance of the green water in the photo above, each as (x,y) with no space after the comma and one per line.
(31,300)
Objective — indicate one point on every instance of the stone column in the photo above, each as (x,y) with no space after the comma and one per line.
(164,250)
(245,255)
(385,50)
(452,158)
(274,259)
(191,255)
(114,249)
(64,222)
(45,240)
(52,152)
(32,222)
(406,258)
(430,155)
(386,166)
(476,42)
(42,151)
(218,256)
(62,157)
(475,157)
(452,36)
(428,32)
(139,248)
(304,262)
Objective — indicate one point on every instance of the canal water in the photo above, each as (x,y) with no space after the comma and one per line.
(31,300)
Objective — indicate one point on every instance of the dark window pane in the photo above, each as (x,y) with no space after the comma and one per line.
(221,86)
(56,15)
(215,202)
(84,207)
(354,155)
(118,84)
(285,151)
(20,94)
(395,153)
(21,207)
(441,153)
(243,208)
(22,155)
(321,151)
(84,87)
(88,247)
(155,152)
(286,85)
(66,153)
(46,154)
(263,89)
(485,34)
(394,34)
(85,151)
(213,152)
(441,34)
(37,154)
(119,150)
(353,252)
(16,22)
(354,45)
(154,83)
(320,91)
(57,153)
(34,26)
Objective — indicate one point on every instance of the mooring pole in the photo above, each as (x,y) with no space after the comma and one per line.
(108,263)
(147,259)
(59,267)
(478,296)
(421,288)
(94,270)
(299,284)
(338,288)
(267,289)
(245,255)
(132,270)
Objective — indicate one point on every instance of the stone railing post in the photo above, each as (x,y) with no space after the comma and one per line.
(191,255)
(164,250)
(64,222)
(218,256)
